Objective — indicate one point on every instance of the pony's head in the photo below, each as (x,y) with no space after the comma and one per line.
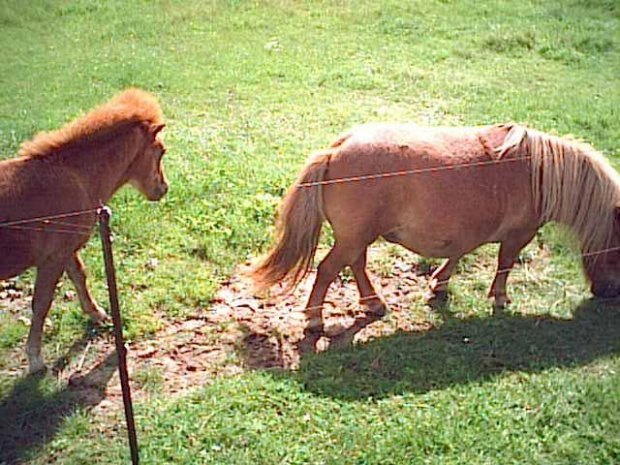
(603,267)
(146,173)
(576,186)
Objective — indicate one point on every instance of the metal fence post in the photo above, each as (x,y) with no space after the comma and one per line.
(104,222)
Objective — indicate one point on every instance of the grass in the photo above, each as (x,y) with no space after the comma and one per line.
(249,89)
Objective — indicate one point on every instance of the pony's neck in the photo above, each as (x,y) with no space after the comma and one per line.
(104,168)
(575,186)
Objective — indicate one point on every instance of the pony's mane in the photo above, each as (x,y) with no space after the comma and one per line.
(572,183)
(129,107)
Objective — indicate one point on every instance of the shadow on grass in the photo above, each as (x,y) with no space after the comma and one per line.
(463,351)
(32,412)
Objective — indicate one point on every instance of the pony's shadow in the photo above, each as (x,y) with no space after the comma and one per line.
(464,351)
(32,412)
(460,352)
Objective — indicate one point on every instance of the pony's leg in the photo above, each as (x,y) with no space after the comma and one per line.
(508,253)
(77,274)
(45,285)
(337,258)
(368,295)
(438,285)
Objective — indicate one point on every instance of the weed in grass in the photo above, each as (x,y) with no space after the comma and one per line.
(149,378)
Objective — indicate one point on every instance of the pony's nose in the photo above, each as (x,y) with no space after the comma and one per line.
(157,193)
(605,291)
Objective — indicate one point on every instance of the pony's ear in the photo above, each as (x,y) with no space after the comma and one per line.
(155,128)
(151,128)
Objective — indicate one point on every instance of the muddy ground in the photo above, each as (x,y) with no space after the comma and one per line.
(238,331)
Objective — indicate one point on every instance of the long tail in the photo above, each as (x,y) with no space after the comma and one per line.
(297,230)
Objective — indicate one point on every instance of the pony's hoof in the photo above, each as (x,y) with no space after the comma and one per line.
(341,340)
(377,308)
(308,344)
(500,303)
(100,316)
(36,367)
(435,298)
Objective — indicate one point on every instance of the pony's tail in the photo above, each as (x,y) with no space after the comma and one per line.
(297,230)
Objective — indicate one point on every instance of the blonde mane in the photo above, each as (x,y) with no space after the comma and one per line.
(572,184)
(129,107)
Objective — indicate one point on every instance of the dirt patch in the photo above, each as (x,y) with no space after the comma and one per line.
(240,330)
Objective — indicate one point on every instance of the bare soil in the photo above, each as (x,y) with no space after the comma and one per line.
(240,331)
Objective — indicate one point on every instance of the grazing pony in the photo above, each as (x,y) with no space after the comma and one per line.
(443,192)
(64,176)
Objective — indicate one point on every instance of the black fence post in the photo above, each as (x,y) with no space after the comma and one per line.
(104,223)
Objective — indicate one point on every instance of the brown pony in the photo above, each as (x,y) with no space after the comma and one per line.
(72,171)
(449,190)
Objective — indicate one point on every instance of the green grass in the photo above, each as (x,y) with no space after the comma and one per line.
(249,89)
(558,416)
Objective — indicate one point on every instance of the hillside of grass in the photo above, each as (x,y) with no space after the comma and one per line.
(251,88)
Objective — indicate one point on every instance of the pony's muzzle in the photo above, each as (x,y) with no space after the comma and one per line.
(159,192)
(605,291)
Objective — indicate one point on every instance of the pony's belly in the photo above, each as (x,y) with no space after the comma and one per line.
(12,265)
(428,245)
(15,253)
